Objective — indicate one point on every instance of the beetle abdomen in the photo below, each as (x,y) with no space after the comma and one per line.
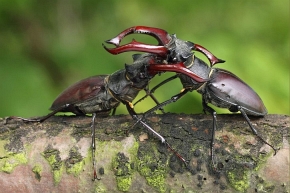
(83,90)
(232,91)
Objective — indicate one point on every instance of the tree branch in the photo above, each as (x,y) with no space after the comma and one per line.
(55,156)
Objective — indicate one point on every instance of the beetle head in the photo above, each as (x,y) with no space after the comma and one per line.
(179,50)
(137,72)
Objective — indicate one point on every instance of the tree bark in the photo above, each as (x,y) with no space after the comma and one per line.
(55,156)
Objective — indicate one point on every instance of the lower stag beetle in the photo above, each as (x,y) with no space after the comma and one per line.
(223,89)
(100,94)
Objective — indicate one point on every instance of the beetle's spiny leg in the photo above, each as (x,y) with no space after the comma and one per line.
(145,125)
(40,119)
(150,93)
(177,154)
(254,130)
(207,108)
(95,176)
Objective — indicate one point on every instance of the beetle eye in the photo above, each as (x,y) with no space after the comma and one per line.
(142,75)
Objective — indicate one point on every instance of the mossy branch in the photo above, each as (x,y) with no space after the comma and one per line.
(55,155)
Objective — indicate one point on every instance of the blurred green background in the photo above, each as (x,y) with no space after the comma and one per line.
(45,46)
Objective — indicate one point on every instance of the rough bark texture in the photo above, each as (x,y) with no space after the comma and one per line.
(55,156)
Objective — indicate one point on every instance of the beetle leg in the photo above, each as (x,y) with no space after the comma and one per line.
(135,117)
(94,147)
(145,125)
(171,100)
(210,110)
(40,119)
(150,93)
(254,130)
(158,106)
(162,83)
(161,35)
(20,118)
(114,111)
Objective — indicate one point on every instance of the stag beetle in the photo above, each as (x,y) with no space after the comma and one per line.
(223,89)
(98,95)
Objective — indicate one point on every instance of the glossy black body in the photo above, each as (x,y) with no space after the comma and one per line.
(224,89)
(101,93)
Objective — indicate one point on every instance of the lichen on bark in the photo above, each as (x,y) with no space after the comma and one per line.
(58,154)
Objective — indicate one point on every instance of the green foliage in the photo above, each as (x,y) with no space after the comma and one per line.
(45,46)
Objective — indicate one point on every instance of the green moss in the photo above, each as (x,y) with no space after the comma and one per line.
(57,175)
(37,169)
(2,149)
(100,146)
(154,172)
(57,171)
(134,149)
(76,168)
(13,160)
(157,180)
(123,171)
(239,181)
(144,171)
(262,159)
(53,158)
(266,188)
(125,125)
(124,183)
(100,188)
(263,186)
(122,166)
(75,163)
